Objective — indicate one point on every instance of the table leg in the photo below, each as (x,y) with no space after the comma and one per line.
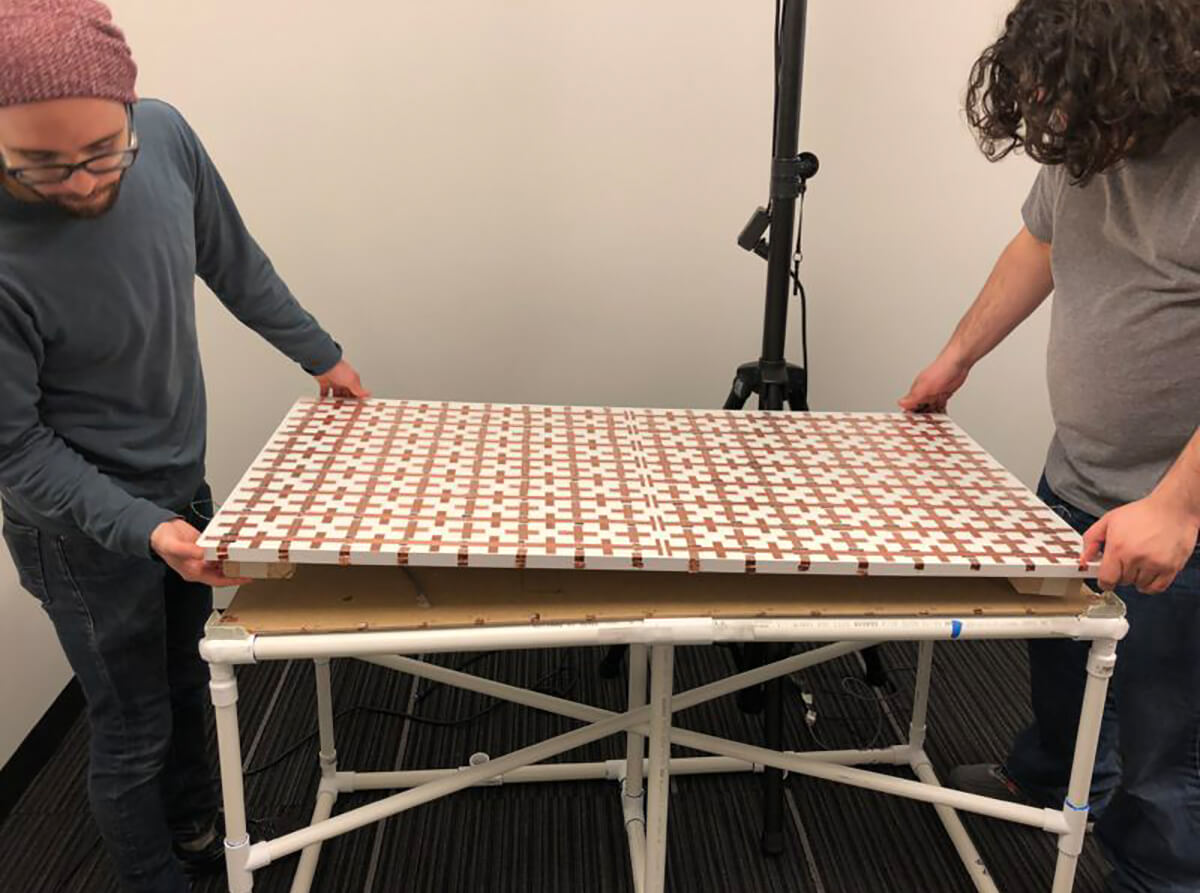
(327,792)
(662,663)
(1101,659)
(223,687)
(916,728)
(923,769)
(632,793)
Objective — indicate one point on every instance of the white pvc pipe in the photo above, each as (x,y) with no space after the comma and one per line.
(328,749)
(682,631)
(612,770)
(800,763)
(635,744)
(765,673)
(1047,819)
(307,869)
(1101,662)
(697,630)
(269,851)
(432,641)
(223,688)
(551,772)
(913,629)
(501,690)
(635,832)
(971,859)
(916,728)
(707,766)
(897,755)
(658,770)
(957,832)
(583,712)
(632,795)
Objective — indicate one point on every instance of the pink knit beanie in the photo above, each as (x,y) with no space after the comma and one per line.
(60,49)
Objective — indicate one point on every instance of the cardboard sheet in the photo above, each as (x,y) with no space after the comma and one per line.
(334,599)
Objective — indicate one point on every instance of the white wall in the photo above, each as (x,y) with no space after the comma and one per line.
(537,200)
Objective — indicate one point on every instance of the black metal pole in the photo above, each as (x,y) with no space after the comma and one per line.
(785,187)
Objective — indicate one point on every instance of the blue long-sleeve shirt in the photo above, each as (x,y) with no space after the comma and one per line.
(102,404)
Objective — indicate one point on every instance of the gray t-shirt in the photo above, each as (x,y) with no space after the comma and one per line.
(1124,354)
(102,410)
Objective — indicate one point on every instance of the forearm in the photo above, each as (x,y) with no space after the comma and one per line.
(44,474)
(1018,284)
(1180,487)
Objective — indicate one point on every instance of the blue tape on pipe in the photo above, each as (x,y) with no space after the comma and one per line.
(1072,806)
(955,628)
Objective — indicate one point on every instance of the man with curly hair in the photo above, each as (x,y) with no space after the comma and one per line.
(1105,94)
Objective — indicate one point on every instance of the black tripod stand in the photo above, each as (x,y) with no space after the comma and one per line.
(772,378)
(776,382)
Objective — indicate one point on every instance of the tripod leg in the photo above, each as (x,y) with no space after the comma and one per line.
(797,388)
(610,665)
(746,382)
(733,401)
(875,674)
(750,700)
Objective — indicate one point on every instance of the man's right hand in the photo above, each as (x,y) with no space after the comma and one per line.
(175,543)
(933,388)
(1021,280)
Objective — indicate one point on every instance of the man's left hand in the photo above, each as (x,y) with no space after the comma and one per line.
(342,381)
(1145,544)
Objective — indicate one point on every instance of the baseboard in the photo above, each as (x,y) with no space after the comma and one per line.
(39,746)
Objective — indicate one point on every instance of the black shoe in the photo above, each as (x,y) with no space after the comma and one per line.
(204,855)
(991,780)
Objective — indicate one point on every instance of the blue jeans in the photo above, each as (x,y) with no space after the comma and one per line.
(130,628)
(1145,793)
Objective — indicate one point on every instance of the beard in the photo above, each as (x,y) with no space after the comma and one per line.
(95,205)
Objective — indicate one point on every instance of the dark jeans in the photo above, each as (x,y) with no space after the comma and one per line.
(130,628)
(1146,786)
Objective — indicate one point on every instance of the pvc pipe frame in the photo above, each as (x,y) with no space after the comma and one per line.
(644,779)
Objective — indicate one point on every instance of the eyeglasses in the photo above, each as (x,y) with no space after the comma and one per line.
(104,163)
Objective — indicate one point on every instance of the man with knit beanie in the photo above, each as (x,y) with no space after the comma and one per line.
(102,409)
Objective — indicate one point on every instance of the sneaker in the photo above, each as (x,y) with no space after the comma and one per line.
(992,780)
(203,855)
(989,780)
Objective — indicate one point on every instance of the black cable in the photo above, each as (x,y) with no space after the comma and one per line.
(433,686)
(872,697)
(803,325)
(562,670)
(799,287)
